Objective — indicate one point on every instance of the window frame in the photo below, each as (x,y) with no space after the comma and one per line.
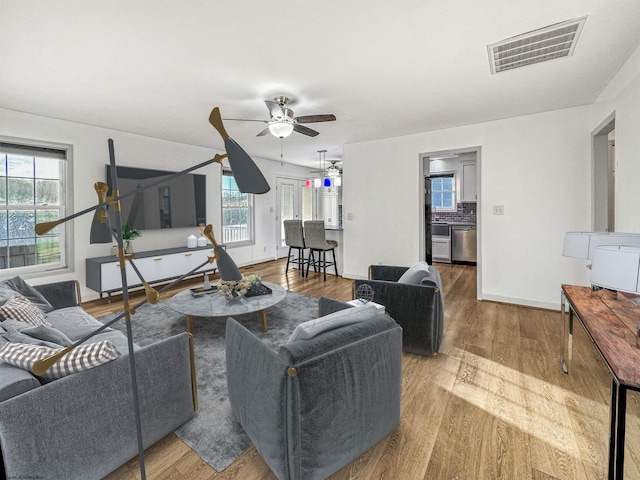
(251,216)
(454,206)
(66,263)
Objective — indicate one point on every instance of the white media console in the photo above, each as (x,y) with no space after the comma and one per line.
(156,266)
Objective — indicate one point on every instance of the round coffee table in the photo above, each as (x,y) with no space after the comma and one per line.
(216,305)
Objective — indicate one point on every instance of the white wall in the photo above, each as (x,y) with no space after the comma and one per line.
(622,97)
(537,166)
(90,155)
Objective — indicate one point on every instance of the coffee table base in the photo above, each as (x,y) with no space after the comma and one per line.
(263,321)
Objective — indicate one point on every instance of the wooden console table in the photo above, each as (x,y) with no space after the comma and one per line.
(610,321)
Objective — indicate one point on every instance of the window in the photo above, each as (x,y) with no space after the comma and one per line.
(443,192)
(237,213)
(32,190)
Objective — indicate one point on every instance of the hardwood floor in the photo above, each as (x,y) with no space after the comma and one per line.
(493,404)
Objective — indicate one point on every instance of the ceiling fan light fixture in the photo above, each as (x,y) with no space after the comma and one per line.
(333,171)
(281,129)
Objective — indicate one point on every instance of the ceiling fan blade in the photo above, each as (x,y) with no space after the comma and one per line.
(246,120)
(304,130)
(275,110)
(327,117)
(263,132)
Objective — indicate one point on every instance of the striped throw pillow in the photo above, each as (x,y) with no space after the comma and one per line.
(80,358)
(20,308)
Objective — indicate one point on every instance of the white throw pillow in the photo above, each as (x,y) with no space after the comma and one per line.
(415,274)
(311,328)
(81,358)
(21,309)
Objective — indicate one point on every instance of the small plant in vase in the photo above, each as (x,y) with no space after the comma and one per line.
(128,234)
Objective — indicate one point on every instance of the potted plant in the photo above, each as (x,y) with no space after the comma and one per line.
(128,234)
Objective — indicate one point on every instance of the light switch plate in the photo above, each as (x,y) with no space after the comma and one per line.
(498,209)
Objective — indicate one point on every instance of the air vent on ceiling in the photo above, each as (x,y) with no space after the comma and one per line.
(540,45)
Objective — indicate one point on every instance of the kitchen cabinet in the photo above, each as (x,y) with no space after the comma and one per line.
(441,249)
(467,178)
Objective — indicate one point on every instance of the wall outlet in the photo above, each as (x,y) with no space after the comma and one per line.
(498,209)
(265,248)
(349,216)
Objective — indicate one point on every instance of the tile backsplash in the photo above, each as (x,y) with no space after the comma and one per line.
(465,213)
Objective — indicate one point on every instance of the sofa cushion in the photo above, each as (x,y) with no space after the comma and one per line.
(311,328)
(80,358)
(19,286)
(415,274)
(21,309)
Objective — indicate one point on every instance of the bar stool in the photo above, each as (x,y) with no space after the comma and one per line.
(294,239)
(316,241)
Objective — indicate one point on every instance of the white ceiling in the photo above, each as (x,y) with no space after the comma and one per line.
(384,68)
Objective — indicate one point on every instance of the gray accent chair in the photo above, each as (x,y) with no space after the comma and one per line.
(294,239)
(315,405)
(316,241)
(418,308)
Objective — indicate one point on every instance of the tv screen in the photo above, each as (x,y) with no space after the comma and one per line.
(176,202)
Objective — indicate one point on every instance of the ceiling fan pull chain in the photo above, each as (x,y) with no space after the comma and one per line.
(281,147)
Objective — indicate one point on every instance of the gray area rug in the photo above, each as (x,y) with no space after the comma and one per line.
(213,433)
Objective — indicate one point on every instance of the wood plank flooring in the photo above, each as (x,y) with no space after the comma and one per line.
(493,404)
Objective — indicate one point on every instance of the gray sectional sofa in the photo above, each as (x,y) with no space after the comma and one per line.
(82,426)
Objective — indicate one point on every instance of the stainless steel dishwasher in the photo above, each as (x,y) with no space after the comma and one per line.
(464,243)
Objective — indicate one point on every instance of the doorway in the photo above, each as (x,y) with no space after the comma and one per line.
(604,172)
(457,207)
(294,201)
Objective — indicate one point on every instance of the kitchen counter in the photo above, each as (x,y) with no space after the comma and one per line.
(470,224)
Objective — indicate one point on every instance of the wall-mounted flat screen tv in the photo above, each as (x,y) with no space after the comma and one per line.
(176,202)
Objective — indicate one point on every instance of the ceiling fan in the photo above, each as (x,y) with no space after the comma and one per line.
(332,170)
(283,122)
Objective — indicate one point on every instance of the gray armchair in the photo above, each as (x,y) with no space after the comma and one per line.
(418,308)
(317,404)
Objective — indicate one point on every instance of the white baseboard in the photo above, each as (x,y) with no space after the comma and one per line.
(353,276)
(525,302)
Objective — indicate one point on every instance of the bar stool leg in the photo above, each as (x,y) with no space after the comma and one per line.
(335,264)
(288,258)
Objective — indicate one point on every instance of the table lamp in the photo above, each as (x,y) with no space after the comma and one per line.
(583,244)
(616,267)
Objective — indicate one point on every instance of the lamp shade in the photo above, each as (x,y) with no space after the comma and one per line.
(100,227)
(281,129)
(583,244)
(616,267)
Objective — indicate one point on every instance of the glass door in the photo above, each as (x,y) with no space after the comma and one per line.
(294,201)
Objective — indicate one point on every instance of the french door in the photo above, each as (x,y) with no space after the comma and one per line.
(294,202)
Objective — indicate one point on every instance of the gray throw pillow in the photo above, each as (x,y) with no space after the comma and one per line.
(15,336)
(311,328)
(415,274)
(18,285)
(47,334)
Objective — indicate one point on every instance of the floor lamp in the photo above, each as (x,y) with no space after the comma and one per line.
(249,179)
